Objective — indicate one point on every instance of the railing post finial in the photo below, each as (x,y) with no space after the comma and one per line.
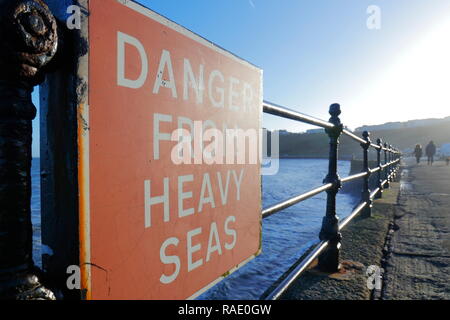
(335,111)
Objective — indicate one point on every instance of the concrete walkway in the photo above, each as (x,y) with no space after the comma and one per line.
(418,266)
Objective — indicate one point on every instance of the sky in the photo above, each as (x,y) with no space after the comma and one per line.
(315,53)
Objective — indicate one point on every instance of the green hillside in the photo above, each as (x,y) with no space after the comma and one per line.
(311,145)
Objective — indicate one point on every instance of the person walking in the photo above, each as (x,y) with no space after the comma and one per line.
(430,150)
(418,152)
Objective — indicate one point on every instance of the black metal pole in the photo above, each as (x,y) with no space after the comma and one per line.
(329,260)
(379,195)
(394,166)
(29,41)
(386,169)
(365,196)
(391,167)
(397,165)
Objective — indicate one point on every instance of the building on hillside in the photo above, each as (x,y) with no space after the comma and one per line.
(320,130)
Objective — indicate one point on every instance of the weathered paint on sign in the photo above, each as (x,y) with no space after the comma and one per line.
(149,228)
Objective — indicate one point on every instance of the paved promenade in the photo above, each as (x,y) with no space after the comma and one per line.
(418,266)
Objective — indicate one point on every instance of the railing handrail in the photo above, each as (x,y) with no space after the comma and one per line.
(267,212)
(386,173)
(278,110)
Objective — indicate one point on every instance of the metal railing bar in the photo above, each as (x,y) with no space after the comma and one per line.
(267,212)
(297,272)
(375,170)
(286,282)
(290,202)
(389,163)
(277,110)
(390,150)
(331,226)
(354,177)
(353,214)
(374,193)
(376,146)
(353,136)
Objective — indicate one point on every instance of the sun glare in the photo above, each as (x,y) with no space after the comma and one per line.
(416,85)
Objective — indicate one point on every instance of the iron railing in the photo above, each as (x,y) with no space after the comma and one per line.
(327,250)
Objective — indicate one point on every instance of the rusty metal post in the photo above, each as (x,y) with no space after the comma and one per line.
(29,41)
(329,260)
(365,196)
(386,169)
(379,194)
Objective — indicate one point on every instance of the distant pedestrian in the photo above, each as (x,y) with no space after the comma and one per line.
(430,150)
(418,152)
(447,160)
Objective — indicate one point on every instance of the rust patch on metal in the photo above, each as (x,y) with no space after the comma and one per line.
(83,167)
(347,269)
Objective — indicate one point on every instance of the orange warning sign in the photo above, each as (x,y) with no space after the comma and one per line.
(170,197)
